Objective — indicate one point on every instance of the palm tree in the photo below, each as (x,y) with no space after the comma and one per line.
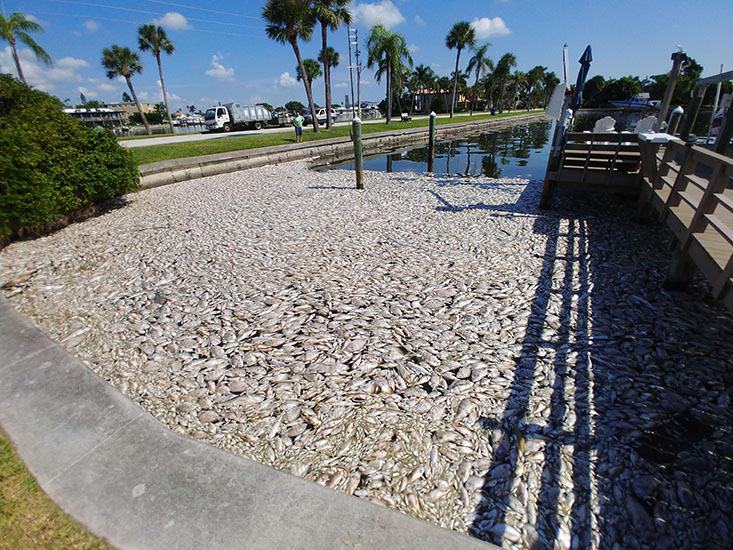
(549,81)
(460,36)
(480,63)
(124,62)
(426,78)
(331,55)
(387,50)
(503,67)
(534,77)
(16,27)
(517,81)
(331,14)
(153,38)
(312,71)
(288,20)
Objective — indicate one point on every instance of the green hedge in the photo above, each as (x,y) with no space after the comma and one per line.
(51,165)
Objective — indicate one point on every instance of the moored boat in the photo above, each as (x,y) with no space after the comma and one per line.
(638,102)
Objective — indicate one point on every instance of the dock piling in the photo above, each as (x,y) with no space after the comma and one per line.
(358,150)
(431,142)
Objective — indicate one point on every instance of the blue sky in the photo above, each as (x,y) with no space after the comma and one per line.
(224,55)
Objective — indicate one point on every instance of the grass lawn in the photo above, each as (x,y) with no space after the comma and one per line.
(28,518)
(154,153)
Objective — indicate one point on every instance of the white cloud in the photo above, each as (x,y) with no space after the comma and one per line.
(385,12)
(255,99)
(173,21)
(486,26)
(413,48)
(104,87)
(40,76)
(419,20)
(219,71)
(340,85)
(91,26)
(287,81)
(89,94)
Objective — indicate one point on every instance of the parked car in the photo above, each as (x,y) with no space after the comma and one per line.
(320,115)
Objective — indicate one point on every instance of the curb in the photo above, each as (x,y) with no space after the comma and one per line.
(173,171)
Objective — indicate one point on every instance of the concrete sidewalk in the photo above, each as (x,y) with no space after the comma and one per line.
(131,481)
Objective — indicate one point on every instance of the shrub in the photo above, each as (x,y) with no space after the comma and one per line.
(51,165)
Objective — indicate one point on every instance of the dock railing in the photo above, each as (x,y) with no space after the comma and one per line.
(691,188)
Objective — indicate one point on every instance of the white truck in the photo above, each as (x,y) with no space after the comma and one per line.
(233,116)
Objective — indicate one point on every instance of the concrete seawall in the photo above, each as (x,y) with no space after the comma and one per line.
(173,171)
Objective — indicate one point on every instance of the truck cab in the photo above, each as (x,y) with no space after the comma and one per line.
(217,118)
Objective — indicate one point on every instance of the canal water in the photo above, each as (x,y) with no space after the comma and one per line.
(519,151)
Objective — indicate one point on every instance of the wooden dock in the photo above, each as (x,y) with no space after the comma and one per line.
(691,188)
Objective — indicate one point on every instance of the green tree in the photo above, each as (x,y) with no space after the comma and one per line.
(191,109)
(331,14)
(124,62)
(312,71)
(549,82)
(426,78)
(479,63)
(534,81)
(153,38)
(16,27)
(460,36)
(266,106)
(288,20)
(292,106)
(332,56)
(388,52)
(126,98)
(503,68)
(592,90)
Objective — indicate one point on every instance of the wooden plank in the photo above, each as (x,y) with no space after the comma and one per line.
(725,200)
(720,226)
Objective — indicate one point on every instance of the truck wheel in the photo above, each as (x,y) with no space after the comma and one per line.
(227,127)
(257,125)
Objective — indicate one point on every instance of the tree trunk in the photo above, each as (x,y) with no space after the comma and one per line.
(139,107)
(475,91)
(326,74)
(165,95)
(308,91)
(455,83)
(17,61)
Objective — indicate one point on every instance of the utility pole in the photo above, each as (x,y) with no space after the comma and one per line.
(354,40)
(351,73)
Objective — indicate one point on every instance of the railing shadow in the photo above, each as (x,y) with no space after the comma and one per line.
(594,448)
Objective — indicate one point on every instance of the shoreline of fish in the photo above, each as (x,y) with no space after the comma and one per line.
(436,345)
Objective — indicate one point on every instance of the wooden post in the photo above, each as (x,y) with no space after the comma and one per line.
(681,272)
(724,135)
(358,161)
(677,59)
(431,142)
(692,111)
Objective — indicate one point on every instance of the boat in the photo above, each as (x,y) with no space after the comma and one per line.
(638,102)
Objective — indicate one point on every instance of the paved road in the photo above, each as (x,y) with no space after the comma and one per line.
(181,138)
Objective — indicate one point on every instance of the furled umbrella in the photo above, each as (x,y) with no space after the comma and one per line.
(584,61)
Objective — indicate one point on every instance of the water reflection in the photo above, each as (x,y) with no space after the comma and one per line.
(519,151)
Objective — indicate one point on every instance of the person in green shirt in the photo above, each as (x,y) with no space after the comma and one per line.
(298,123)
